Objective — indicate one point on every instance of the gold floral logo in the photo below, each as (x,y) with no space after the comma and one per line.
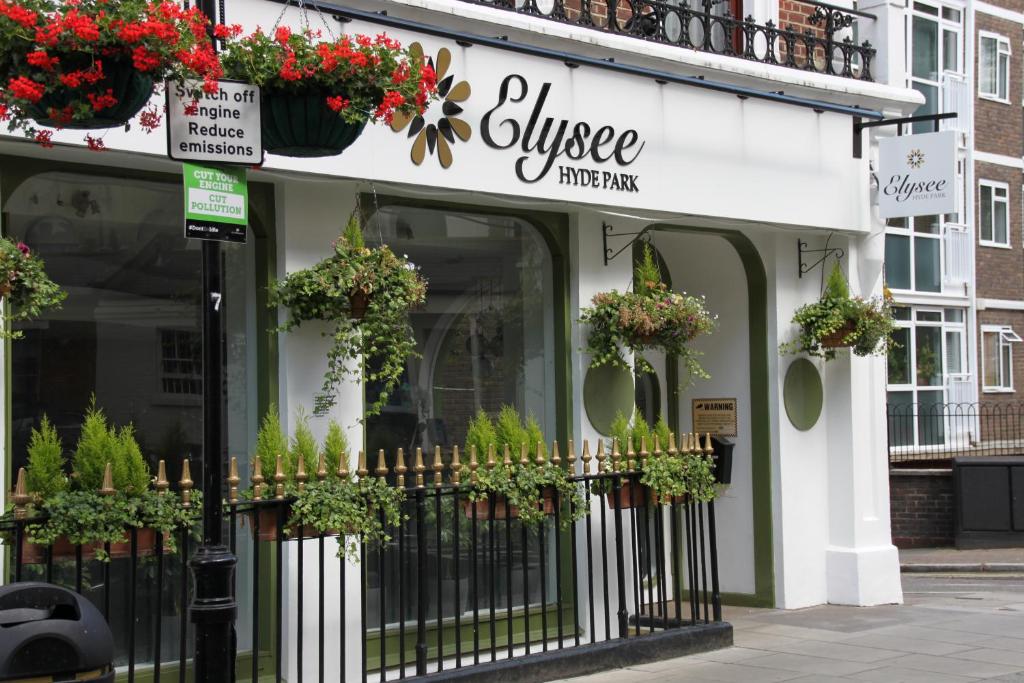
(915,159)
(439,135)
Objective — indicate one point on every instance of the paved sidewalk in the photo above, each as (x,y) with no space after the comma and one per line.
(953,560)
(950,630)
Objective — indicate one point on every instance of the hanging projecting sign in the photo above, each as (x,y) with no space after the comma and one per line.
(222,127)
(216,203)
(917,175)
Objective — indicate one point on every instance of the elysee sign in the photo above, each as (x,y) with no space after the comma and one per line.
(917,175)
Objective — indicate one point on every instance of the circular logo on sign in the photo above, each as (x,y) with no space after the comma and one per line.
(440,133)
(915,159)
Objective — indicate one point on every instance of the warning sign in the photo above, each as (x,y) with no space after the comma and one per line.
(216,203)
(714,416)
(220,128)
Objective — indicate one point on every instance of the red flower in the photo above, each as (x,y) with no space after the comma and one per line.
(4,112)
(26,89)
(282,34)
(288,71)
(23,248)
(43,138)
(82,25)
(95,144)
(102,101)
(25,18)
(42,60)
(192,108)
(62,116)
(150,119)
(144,60)
(363,41)
(337,103)
(224,32)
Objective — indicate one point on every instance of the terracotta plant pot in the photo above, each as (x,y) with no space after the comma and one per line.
(268,528)
(130,87)
(630,497)
(304,126)
(837,339)
(358,302)
(483,507)
(64,550)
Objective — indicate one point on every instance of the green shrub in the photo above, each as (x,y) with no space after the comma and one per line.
(335,447)
(131,475)
(97,445)
(270,443)
(482,434)
(304,447)
(45,475)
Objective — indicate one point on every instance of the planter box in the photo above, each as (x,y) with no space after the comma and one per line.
(637,496)
(64,550)
(268,529)
(483,507)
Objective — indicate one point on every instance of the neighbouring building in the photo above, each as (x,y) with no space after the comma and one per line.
(728,145)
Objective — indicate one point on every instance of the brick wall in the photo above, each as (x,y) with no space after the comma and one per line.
(921,507)
(1000,272)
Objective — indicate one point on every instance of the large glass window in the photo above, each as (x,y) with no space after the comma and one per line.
(997,343)
(487,338)
(934,48)
(995,213)
(129,335)
(913,254)
(994,67)
(925,371)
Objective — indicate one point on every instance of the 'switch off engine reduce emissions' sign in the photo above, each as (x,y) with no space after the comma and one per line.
(221,127)
(216,203)
(917,175)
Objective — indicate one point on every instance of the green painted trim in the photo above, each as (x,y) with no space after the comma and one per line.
(501,621)
(746,600)
(760,400)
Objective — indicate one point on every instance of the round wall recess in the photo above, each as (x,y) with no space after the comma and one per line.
(607,391)
(802,393)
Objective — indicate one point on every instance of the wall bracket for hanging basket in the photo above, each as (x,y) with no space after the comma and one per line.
(608,231)
(801,249)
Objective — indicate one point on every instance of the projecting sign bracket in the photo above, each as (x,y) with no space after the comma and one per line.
(859,126)
(608,231)
(801,249)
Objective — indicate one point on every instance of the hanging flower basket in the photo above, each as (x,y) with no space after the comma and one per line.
(95,64)
(358,302)
(317,96)
(839,338)
(304,126)
(27,289)
(129,87)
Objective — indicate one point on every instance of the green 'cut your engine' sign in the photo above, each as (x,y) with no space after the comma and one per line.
(216,203)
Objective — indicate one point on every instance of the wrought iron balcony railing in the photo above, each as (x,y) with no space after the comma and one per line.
(820,46)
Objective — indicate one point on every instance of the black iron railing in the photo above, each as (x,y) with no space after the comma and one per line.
(937,432)
(458,585)
(824,44)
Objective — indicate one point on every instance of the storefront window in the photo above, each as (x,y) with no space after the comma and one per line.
(486,335)
(130,335)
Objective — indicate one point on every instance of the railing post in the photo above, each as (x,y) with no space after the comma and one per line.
(421,567)
(620,558)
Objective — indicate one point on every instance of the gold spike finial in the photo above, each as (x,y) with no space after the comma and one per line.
(161,485)
(438,468)
(524,456)
(708,448)
(279,478)
(419,468)
(400,468)
(382,465)
(300,472)
(257,479)
(321,468)
(672,450)
(657,446)
(587,457)
(342,465)
(571,457)
(507,460)
(616,456)
(361,470)
(556,458)
(21,497)
(473,464)
(233,480)
(185,484)
(107,489)
(456,466)
(491,457)
(630,455)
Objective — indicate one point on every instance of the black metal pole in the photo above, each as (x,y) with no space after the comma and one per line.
(213,609)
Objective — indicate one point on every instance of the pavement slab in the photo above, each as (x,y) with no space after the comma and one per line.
(952,629)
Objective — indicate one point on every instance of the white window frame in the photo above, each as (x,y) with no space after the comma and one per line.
(994,185)
(1007,338)
(1002,50)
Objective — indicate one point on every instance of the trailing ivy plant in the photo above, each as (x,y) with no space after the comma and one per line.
(837,319)
(522,485)
(352,509)
(336,289)
(649,317)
